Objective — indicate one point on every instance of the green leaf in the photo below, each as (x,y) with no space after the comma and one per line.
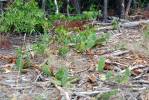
(90,42)
(101,64)
(62,75)
(126,75)
(81,46)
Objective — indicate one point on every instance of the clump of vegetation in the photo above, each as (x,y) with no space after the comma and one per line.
(119,77)
(42,45)
(62,75)
(57,17)
(23,59)
(110,76)
(19,61)
(146,31)
(88,39)
(108,95)
(23,17)
(82,41)
(115,24)
(63,50)
(101,64)
(90,15)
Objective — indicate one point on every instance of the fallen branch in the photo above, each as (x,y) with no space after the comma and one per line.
(134,24)
(91,93)
(124,25)
(117,53)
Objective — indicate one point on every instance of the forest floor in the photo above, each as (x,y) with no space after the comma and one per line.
(124,50)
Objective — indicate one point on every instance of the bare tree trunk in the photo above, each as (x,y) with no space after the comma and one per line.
(123,9)
(76,5)
(68,14)
(128,8)
(56,5)
(105,11)
(43,5)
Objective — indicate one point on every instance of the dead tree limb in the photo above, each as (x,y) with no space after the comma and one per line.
(134,24)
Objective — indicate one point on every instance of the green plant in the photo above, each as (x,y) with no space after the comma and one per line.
(23,59)
(82,41)
(146,32)
(55,17)
(115,24)
(19,61)
(63,50)
(88,39)
(109,75)
(63,76)
(23,17)
(102,39)
(42,45)
(101,64)
(124,77)
(46,70)
(39,98)
(108,95)
(119,77)
(63,37)
(87,43)
(90,15)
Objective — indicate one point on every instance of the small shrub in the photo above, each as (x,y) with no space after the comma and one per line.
(23,17)
(90,15)
(63,76)
(23,59)
(56,17)
(62,35)
(88,39)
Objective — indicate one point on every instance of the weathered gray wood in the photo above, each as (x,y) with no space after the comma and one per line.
(134,24)
(128,8)
(105,9)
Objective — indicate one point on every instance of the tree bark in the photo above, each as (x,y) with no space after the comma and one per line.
(56,6)
(128,8)
(68,14)
(43,5)
(105,11)
(123,9)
